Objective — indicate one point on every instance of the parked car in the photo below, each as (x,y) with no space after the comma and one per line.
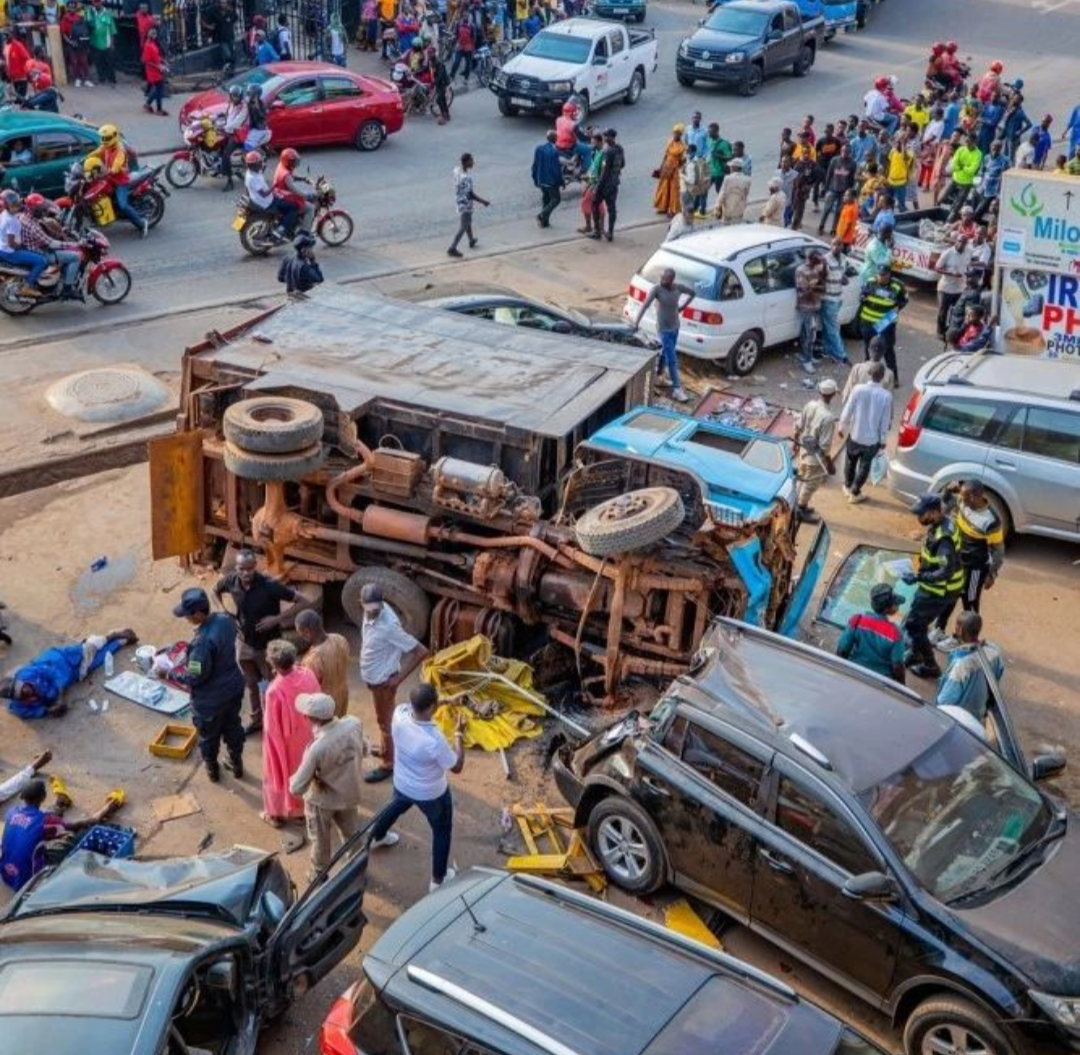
(744,279)
(743,42)
(55,142)
(170,956)
(494,964)
(591,61)
(866,833)
(623,10)
(912,254)
(314,104)
(1012,422)
(512,309)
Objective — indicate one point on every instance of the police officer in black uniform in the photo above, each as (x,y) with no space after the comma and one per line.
(940,580)
(215,680)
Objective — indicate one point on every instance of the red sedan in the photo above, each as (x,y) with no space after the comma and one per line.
(314,104)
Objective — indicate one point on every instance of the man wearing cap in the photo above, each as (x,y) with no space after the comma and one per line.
(328,777)
(424,759)
(939,578)
(734,193)
(872,639)
(814,436)
(257,601)
(388,655)
(215,681)
(879,310)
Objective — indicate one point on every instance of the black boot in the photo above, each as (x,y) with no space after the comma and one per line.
(236,764)
(213,772)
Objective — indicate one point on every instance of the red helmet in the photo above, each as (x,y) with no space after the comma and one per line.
(951,46)
(881,83)
(938,48)
(289,157)
(997,66)
(34,202)
(252,157)
(569,108)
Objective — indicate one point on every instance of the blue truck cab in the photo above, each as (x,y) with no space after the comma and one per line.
(738,488)
(841,16)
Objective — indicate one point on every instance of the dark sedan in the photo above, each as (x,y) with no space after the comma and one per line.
(869,834)
(170,956)
(513,309)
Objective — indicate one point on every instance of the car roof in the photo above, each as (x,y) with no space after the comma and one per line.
(527,948)
(750,5)
(1018,374)
(581,27)
(289,66)
(725,244)
(670,438)
(829,714)
(29,121)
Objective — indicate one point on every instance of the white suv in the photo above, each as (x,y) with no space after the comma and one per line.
(744,277)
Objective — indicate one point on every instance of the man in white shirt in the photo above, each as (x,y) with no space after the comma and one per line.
(260,194)
(865,421)
(423,760)
(388,655)
(1026,151)
(12,250)
(953,267)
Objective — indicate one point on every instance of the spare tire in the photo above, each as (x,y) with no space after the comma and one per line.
(273,425)
(251,466)
(399,591)
(629,522)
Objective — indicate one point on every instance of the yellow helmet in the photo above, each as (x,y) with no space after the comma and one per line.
(109,134)
(93,168)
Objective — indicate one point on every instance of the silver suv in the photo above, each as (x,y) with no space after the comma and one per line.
(1010,421)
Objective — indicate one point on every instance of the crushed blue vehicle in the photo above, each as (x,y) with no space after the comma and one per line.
(841,16)
(737,538)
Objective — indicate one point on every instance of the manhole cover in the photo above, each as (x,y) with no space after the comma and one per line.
(109,395)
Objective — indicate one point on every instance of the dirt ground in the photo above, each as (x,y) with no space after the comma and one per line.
(50,537)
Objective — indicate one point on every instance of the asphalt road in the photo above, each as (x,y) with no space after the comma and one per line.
(402,195)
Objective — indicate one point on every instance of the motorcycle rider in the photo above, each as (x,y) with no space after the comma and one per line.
(295,189)
(236,117)
(261,195)
(876,106)
(419,63)
(569,141)
(258,134)
(12,251)
(951,68)
(112,155)
(37,239)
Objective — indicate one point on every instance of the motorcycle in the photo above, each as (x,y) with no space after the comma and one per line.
(105,278)
(88,203)
(46,101)
(416,96)
(202,154)
(333,227)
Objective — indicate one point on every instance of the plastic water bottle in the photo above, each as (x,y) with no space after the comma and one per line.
(109,665)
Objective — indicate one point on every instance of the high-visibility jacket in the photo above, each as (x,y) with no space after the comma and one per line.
(878,300)
(940,573)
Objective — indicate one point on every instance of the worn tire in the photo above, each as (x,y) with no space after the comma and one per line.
(369,136)
(636,87)
(286,467)
(803,62)
(273,425)
(754,80)
(506,108)
(630,522)
(953,1012)
(150,206)
(615,818)
(684,81)
(745,353)
(410,603)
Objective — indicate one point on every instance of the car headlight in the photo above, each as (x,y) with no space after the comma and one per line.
(561,86)
(684,48)
(735,56)
(499,79)
(1063,1009)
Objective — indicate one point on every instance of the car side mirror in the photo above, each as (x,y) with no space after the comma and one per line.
(871,886)
(222,976)
(562,326)
(273,908)
(1048,766)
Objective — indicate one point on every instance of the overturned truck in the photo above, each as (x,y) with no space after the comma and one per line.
(489,479)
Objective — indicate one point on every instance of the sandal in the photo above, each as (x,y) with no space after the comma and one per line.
(274,822)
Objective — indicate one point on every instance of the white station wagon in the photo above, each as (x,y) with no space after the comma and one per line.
(744,277)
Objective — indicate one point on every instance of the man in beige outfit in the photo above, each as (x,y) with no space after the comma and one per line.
(327,657)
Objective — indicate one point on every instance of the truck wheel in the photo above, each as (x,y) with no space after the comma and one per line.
(754,77)
(686,82)
(625,841)
(744,355)
(630,522)
(273,425)
(950,1023)
(408,601)
(506,109)
(287,467)
(633,92)
(803,62)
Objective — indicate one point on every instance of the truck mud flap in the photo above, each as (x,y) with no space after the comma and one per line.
(799,598)
(176,494)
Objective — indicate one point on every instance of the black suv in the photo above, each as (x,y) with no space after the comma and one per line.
(863,831)
(494,964)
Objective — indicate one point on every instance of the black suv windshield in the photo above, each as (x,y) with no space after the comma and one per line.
(738,22)
(957,815)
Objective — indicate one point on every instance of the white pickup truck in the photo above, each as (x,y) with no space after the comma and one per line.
(586,59)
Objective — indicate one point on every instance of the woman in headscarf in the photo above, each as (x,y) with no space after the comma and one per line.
(666,199)
(286,732)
